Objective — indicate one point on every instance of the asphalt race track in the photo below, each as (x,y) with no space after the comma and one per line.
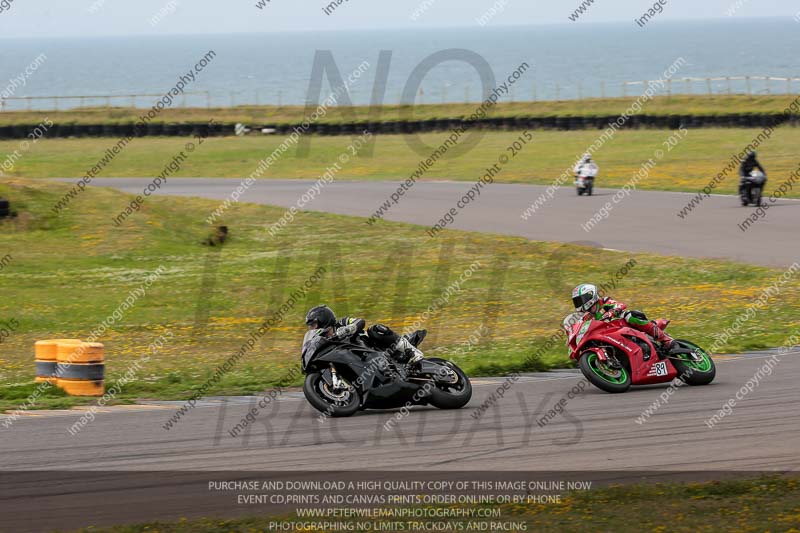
(646,221)
(597,432)
(761,433)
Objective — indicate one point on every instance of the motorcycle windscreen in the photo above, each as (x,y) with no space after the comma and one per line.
(570,320)
(313,340)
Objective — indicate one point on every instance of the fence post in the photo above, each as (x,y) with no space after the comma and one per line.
(728,80)
(708,82)
(602,89)
(625,89)
(749,87)
(766,82)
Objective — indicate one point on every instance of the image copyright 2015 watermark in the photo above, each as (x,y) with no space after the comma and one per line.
(760,212)
(610,132)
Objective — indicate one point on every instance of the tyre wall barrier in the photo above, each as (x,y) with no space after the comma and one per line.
(561,123)
(46,357)
(75,366)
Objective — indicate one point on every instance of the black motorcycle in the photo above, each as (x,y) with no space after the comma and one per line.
(751,188)
(348,375)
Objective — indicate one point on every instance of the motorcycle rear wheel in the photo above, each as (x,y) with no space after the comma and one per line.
(693,372)
(451,396)
(322,399)
(603,377)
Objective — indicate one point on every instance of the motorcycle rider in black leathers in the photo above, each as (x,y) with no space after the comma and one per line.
(377,335)
(749,164)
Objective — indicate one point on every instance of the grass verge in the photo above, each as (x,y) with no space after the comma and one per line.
(67,274)
(701,155)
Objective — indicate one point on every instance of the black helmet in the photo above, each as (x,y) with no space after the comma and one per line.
(321,316)
(751,154)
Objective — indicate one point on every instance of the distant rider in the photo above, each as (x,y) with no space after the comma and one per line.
(378,335)
(586,299)
(749,164)
(588,162)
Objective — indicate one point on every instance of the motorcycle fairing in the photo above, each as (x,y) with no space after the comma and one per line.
(614,333)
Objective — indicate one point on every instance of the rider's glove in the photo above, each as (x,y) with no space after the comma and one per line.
(346,331)
(608,315)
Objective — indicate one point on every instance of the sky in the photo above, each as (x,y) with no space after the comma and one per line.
(43,18)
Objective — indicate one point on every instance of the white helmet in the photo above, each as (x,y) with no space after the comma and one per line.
(584,297)
(587,157)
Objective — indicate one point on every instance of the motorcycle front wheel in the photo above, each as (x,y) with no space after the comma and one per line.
(603,376)
(756,196)
(331,402)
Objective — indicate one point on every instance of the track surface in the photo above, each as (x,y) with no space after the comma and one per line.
(647,221)
(598,433)
(597,436)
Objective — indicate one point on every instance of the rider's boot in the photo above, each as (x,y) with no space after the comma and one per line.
(405,347)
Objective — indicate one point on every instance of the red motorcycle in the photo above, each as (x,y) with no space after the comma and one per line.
(613,356)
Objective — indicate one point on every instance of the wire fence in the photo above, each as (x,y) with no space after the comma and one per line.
(431,94)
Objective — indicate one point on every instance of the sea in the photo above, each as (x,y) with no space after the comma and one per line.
(565,62)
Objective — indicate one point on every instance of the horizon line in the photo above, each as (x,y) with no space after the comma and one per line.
(668,21)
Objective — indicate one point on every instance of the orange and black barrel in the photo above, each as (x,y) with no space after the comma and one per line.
(81,368)
(46,358)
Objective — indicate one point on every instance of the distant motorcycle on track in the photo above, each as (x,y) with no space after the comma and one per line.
(751,188)
(614,356)
(584,179)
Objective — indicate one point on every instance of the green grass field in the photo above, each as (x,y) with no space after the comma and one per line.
(66,274)
(702,154)
(758,505)
(257,115)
